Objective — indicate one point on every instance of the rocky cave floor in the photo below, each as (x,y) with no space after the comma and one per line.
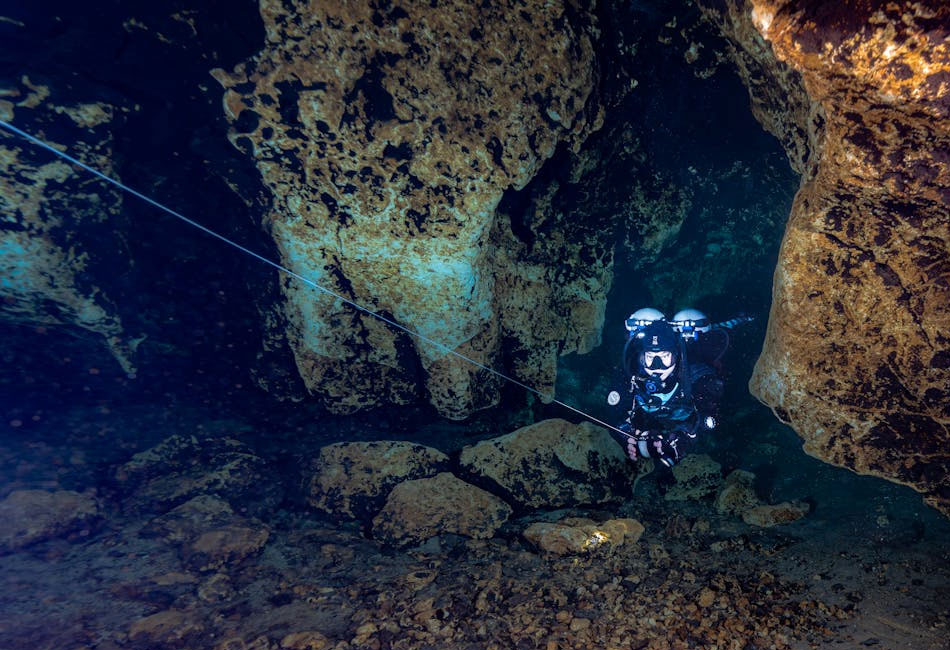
(867,568)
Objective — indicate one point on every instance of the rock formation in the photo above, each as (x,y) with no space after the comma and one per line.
(856,357)
(553,463)
(387,138)
(60,226)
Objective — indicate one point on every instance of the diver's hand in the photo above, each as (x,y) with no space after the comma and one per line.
(664,447)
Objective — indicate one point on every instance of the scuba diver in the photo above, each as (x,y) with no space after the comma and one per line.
(672,382)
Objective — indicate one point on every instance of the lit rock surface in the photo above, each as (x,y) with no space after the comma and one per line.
(353,479)
(553,463)
(57,227)
(420,509)
(857,355)
(30,516)
(577,535)
(386,138)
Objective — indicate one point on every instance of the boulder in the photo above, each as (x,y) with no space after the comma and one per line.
(573,535)
(697,477)
(183,467)
(353,479)
(31,516)
(208,533)
(857,356)
(774,515)
(552,464)
(736,495)
(423,508)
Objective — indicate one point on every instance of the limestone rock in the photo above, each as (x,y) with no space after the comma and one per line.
(386,139)
(208,533)
(31,516)
(553,463)
(736,495)
(774,515)
(697,477)
(420,509)
(353,479)
(857,356)
(168,628)
(183,467)
(572,536)
(57,228)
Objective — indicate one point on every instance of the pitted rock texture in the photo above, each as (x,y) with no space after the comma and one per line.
(181,468)
(553,463)
(857,354)
(387,138)
(420,509)
(58,226)
(697,477)
(353,479)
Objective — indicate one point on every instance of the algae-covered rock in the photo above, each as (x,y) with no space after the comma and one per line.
(420,509)
(183,467)
(736,495)
(553,463)
(353,479)
(697,477)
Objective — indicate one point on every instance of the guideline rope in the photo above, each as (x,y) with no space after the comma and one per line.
(296,276)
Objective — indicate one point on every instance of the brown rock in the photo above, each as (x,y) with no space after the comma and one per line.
(857,357)
(420,509)
(572,536)
(228,545)
(353,479)
(553,463)
(31,516)
(386,147)
(774,515)
(169,627)
(310,640)
(737,494)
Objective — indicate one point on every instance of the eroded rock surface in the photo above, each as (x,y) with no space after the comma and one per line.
(420,509)
(181,468)
(387,138)
(56,223)
(353,479)
(553,463)
(857,355)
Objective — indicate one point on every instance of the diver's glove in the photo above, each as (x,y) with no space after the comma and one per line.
(664,447)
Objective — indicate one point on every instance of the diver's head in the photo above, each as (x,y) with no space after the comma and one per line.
(658,350)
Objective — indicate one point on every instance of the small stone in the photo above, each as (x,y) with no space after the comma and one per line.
(578,624)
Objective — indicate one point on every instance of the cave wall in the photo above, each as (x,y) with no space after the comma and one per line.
(856,356)
(60,232)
